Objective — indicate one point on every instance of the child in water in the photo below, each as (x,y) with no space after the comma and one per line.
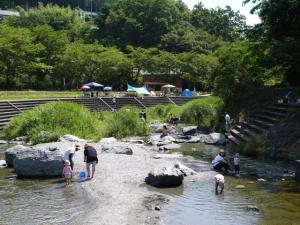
(219,183)
(236,161)
(67,173)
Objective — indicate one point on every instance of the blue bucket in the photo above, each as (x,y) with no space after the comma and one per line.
(82,174)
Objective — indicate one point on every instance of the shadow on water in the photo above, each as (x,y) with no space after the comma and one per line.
(26,201)
(276,195)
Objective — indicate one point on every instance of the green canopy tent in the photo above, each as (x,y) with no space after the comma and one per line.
(140,91)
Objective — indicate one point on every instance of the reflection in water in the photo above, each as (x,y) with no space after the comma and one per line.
(38,201)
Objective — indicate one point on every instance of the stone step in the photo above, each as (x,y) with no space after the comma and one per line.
(254,128)
(245,131)
(233,140)
(262,124)
(274,113)
(270,119)
(241,137)
(277,109)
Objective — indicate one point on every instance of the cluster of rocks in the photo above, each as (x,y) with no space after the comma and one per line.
(190,134)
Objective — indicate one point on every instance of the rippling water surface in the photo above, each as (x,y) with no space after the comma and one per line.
(38,201)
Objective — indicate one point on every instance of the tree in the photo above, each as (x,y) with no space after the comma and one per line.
(138,22)
(20,64)
(198,69)
(238,70)
(223,23)
(279,32)
(185,38)
(86,62)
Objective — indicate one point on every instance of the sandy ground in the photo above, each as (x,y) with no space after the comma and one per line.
(119,194)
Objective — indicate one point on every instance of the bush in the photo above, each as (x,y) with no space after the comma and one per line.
(126,122)
(202,111)
(162,112)
(254,147)
(59,118)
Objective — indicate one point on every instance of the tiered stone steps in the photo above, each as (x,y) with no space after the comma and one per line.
(258,123)
(9,109)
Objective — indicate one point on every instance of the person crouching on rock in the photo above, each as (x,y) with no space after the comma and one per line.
(69,153)
(219,183)
(67,173)
(219,161)
(91,159)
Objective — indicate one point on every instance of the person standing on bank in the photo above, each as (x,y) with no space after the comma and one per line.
(219,161)
(91,159)
(69,153)
(227,123)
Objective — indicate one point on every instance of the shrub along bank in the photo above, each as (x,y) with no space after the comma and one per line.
(61,118)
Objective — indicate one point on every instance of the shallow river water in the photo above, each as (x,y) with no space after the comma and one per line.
(278,198)
(38,201)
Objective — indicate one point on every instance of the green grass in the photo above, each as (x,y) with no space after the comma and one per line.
(62,118)
(13,95)
(254,147)
(57,117)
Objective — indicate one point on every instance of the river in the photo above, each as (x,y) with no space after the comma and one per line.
(277,198)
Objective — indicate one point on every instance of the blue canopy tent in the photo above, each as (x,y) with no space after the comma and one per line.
(140,91)
(94,85)
(187,93)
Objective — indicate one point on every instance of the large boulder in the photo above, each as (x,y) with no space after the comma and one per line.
(70,138)
(189,130)
(117,148)
(165,177)
(297,170)
(40,161)
(10,154)
(215,138)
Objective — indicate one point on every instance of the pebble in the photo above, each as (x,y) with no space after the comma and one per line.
(157,208)
(252,208)
(261,179)
(251,182)
(240,186)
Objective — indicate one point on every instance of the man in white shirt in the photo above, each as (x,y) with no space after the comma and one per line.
(219,161)
(69,153)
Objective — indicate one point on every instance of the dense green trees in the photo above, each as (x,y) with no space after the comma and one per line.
(50,47)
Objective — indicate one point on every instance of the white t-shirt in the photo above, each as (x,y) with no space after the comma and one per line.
(219,178)
(217,160)
(227,119)
(68,152)
(236,161)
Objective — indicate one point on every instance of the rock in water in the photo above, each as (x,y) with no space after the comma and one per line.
(239,186)
(117,148)
(165,177)
(10,154)
(108,140)
(189,130)
(3,163)
(39,162)
(184,169)
(170,147)
(215,138)
(2,142)
(70,138)
(253,208)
